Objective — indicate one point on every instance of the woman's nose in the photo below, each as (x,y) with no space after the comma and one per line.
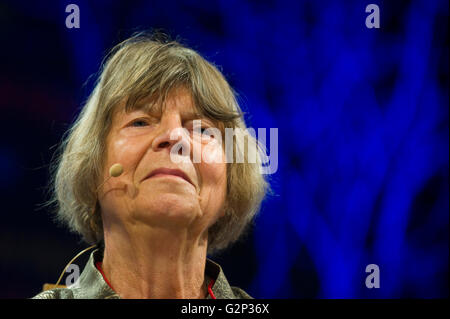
(171,133)
(163,141)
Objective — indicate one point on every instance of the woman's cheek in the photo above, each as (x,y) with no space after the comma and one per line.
(212,152)
(213,166)
(126,150)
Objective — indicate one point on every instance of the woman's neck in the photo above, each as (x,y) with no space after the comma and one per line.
(156,263)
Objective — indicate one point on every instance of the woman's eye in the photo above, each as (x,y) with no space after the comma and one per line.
(139,123)
(200,130)
(197,127)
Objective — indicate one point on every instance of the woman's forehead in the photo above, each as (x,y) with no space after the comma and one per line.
(179,100)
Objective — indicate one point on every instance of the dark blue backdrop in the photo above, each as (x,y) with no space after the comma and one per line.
(362,116)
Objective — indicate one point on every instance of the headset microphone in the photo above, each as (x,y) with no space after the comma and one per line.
(57,285)
(114,171)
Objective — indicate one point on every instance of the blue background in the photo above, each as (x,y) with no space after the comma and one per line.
(362,116)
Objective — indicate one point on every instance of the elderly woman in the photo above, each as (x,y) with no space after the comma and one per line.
(160,213)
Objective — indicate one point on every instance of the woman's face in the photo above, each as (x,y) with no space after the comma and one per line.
(156,187)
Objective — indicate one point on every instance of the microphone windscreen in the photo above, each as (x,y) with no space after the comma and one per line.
(116,170)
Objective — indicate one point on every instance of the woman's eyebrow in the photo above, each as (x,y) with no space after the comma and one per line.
(147,109)
(145,104)
(189,115)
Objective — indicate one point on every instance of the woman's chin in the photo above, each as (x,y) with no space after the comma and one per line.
(168,209)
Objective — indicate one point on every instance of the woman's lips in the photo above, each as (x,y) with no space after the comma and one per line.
(161,172)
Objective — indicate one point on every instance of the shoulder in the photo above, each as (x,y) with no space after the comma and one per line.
(221,287)
(57,293)
(90,285)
